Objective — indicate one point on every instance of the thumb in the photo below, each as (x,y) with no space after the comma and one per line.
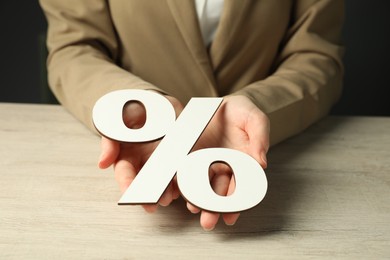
(258,129)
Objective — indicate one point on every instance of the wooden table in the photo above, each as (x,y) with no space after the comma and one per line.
(329,196)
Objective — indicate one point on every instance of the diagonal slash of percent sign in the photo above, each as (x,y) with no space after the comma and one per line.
(172,154)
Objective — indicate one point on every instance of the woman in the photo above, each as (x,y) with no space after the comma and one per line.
(276,63)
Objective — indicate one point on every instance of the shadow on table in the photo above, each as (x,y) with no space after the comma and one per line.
(287,188)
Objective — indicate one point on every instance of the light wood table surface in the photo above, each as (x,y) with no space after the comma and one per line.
(328,197)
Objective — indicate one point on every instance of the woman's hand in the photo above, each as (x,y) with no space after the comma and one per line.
(239,125)
(129,158)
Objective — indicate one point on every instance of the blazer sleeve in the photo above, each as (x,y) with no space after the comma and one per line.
(83,48)
(307,77)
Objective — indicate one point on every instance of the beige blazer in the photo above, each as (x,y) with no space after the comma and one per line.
(284,55)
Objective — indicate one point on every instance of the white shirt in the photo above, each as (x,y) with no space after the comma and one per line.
(209,14)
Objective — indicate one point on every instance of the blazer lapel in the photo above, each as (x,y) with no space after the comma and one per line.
(233,14)
(184,14)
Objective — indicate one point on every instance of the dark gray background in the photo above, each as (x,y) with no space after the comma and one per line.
(367,59)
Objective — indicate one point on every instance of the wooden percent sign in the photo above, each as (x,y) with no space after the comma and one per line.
(172,155)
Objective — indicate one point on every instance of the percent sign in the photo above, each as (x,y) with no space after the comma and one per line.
(172,155)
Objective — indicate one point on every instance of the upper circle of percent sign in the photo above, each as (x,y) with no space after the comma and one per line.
(172,155)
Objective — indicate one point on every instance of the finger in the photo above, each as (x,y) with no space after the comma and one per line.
(176,191)
(134,114)
(172,193)
(150,208)
(167,197)
(220,174)
(110,151)
(224,184)
(124,175)
(208,220)
(192,208)
(258,129)
(231,219)
(219,184)
(263,156)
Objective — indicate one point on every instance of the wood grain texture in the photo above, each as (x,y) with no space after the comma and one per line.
(329,197)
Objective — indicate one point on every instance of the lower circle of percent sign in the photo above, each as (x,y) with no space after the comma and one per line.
(172,155)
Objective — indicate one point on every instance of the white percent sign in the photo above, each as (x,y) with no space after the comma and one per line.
(172,155)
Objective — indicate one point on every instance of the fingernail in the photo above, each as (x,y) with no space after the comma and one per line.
(194,211)
(208,229)
(264,159)
(231,224)
(164,204)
